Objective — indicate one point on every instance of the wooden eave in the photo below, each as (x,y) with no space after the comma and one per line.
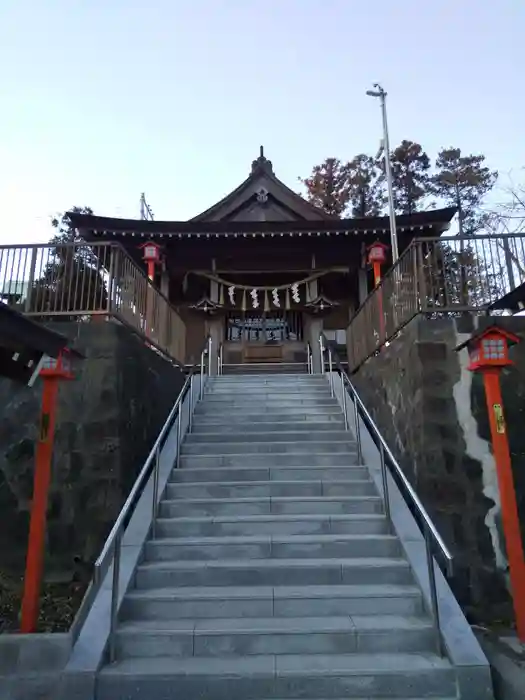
(432,222)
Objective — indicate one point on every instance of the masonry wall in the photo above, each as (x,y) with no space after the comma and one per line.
(432,412)
(108,419)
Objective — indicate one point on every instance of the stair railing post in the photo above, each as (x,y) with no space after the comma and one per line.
(330,368)
(343,397)
(114,596)
(384,477)
(155,491)
(201,388)
(179,433)
(433,595)
(209,355)
(321,352)
(190,405)
(357,431)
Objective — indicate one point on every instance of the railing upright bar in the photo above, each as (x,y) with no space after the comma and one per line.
(436,623)
(384,477)
(179,434)
(358,433)
(330,367)
(343,396)
(209,355)
(155,492)
(201,388)
(190,416)
(114,596)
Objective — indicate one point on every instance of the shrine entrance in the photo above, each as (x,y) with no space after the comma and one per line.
(264,327)
(265,336)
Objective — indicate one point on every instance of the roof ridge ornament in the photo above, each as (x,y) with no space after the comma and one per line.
(262,163)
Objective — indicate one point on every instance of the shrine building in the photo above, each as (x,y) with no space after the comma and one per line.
(263,270)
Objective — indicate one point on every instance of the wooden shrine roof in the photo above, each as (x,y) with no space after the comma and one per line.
(430,222)
(261,205)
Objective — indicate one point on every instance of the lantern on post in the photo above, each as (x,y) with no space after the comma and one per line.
(377,257)
(52,371)
(151,256)
(489,353)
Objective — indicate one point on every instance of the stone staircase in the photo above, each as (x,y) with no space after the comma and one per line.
(273,572)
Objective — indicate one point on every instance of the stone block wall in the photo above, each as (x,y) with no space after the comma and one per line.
(432,412)
(107,421)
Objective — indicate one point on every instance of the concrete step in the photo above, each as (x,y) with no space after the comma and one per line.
(268,436)
(255,419)
(250,489)
(208,408)
(270,379)
(275,460)
(266,368)
(297,446)
(303,505)
(273,525)
(287,426)
(190,474)
(274,546)
(240,636)
(388,675)
(267,401)
(273,572)
(278,388)
(260,601)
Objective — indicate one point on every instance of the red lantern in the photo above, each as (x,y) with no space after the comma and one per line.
(151,256)
(57,367)
(490,348)
(377,253)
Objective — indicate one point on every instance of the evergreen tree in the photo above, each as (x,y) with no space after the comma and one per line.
(366,189)
(410,176)
(463,182)
(72,275)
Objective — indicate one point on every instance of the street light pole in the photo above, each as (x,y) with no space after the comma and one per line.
(379,92)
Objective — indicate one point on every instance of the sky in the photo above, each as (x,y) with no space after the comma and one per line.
(101,101)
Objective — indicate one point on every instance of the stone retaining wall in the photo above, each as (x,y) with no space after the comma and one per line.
(432,412)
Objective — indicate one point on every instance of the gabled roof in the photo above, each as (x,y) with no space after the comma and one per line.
(263,197)
(432,222)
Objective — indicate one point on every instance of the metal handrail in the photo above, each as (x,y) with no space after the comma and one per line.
(309,358)
(220,359)
(111,551)
(434,543)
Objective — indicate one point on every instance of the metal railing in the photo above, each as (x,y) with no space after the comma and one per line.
(309,358)
(434,544)
(220,359)
(83,281)
(112,549)
(437,276)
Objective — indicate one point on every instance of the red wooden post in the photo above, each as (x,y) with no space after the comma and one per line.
(51,374)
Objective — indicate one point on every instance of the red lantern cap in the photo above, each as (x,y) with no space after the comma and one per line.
(60,366)
(377,252)
(151,251)
(489,348)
